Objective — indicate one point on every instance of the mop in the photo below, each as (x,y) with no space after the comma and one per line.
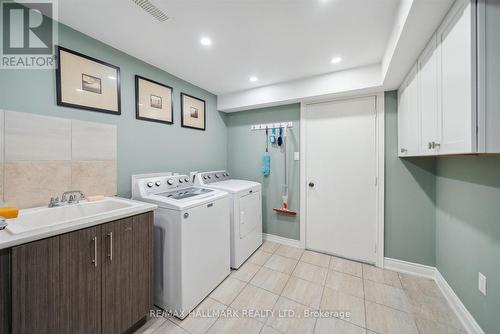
(284,210)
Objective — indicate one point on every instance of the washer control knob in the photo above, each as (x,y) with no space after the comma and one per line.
(158,183)
(180,181)
(186,179)
(170,181)
(204,177)
(186,215)
(150,184)
(217,175)
(209,177)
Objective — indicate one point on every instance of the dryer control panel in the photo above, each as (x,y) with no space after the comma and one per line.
(211,177)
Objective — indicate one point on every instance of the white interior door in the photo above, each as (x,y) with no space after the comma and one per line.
(341,170)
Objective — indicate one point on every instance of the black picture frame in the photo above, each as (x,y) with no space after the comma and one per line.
(204,111)
(61,103)
(137,116)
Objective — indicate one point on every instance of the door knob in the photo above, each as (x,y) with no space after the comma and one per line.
(311,184)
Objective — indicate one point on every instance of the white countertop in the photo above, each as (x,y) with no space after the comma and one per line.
(9,239)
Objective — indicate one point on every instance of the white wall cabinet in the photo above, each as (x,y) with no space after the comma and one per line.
(442,93)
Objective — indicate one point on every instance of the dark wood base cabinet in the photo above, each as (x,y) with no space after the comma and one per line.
(94,280)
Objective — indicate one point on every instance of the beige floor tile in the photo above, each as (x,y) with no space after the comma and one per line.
(169,327)
(269,330)
(255,300)
(151,325)
(383,319)
(421,285)
(383,276)
(246,272)
(260,257)
(291,317)
(353,306)
(310,272)
(333,325)
(346,266)
(316,258)
(202,317)
(436,309)
(431,327)
(303,292)
(345,283)
(269,246)
(270,280)
(227,291)
(290,252)
(225,325)
(387,295)
(281,263)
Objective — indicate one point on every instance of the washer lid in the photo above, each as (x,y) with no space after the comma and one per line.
(185,198)
(235,186)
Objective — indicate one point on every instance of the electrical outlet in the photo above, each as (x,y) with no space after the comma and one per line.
(482,283)
(296,156)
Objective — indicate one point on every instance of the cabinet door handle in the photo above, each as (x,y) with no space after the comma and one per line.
(94,261)
(110,254)
(430,146)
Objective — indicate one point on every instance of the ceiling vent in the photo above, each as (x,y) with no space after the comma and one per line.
(151,9)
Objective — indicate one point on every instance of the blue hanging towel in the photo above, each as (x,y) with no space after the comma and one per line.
(266,164)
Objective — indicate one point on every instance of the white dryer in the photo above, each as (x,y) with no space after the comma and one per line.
(191,239)
(246,212)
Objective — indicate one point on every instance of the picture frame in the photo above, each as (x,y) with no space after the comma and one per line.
(87,83)
(193,112)
(153,101)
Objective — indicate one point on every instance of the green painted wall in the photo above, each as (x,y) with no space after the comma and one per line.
(245,150)
(142,146)
(410,187)
(468,232)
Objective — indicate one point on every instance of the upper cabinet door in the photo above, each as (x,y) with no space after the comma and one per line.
(428,91)
(408,117)
(457,82)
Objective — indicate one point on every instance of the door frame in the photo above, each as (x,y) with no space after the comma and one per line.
(380,135)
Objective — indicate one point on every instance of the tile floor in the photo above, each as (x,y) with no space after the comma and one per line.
(325,294)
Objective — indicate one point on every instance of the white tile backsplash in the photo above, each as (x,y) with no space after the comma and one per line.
(30,137)
(93,141)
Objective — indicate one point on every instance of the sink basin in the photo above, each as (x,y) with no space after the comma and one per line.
(39,218)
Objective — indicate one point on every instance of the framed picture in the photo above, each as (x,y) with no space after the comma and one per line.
(153,101)
(87,83)
(192,112)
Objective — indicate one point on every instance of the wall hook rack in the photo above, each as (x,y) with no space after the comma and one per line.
(271,126)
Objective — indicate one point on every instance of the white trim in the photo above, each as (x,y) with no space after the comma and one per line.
(281,240)
(410,268)
(467,320)
(456,304)
(380,133)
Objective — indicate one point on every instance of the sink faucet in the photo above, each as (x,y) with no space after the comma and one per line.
(67,198)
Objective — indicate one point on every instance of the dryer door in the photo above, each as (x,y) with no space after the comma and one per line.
(250,213)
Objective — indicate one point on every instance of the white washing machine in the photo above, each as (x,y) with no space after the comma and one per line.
(191,239)
(246,212)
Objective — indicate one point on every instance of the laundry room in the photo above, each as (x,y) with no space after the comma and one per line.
(260,167)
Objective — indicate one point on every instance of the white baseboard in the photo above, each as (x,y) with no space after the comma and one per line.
(410,268)
(281,240)
(463,314)
(456,304)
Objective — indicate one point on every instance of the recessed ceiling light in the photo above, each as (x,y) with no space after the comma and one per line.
(336,60)
(205,41)
(253,78)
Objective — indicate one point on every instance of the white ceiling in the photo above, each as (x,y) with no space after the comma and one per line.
(275,40)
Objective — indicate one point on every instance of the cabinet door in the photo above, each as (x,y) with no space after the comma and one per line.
(126,276)
(408,117)
(80,281)
(35,281)
(428,90)
(458,112)
(5,313)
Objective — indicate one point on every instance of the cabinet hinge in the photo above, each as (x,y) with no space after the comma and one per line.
(376,181)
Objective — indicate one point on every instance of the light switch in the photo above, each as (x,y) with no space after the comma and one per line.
(482,283)
(296,156)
